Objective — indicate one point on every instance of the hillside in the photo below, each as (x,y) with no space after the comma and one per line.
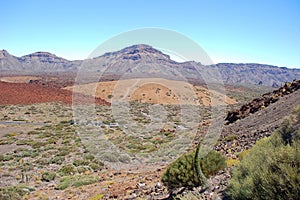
(155,90)
(242,134)
(143,61)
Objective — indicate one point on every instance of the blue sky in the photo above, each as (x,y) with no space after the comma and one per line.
(259,31)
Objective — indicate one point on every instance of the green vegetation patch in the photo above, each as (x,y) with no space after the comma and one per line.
(181,173)
(271,170)
(15,192)
(76,181)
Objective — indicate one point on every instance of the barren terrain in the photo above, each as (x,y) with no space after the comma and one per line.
(30,93)
(152,90)
(40,135)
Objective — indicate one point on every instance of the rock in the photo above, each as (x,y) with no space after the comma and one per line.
(158,185)
(141,185)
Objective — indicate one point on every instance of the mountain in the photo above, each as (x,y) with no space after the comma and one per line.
(144,61)
(35,62)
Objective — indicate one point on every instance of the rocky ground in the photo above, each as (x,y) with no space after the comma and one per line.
(30,93)
(242,134)
(262,102)
(136,183)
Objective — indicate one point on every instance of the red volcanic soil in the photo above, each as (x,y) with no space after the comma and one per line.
(30,93)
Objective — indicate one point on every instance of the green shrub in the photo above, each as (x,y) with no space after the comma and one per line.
(96,166)
(57,160)
(212,163)
(231,162)
(14,192)
(83,169)
(6,193)
(48,176)
(80,162)
(286,131)
(7,157)
(97,197)
(271,170)
(8,140)
(76,181)
(181,173)
(37,144)
(67,169)
(63,151)
(243,154)
(230,138)
(89,157)
(25,167)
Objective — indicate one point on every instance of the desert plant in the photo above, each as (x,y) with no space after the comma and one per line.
(76,181)
(183,172)
(197,165)
(271,170)
(89,157)
(243,154)
(230,138)
(25,167)
(286,131)
(80,162)
(57,160)
(14,192)
(231,162)
(48,176)
(97,197)
(96,166)
(67,169)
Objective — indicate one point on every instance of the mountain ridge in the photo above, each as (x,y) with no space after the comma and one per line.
(141,60)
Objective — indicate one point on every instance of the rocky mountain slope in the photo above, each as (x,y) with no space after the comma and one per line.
(242,134)
(140,61)
(262,102)
(266,115)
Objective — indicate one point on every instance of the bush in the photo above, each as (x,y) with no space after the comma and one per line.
(80,162)
(25,167)
(271,170)
(14,192)
(243,154)
(48,176)
(76,181)
(96,167)
(89,157)
(57,160)
(286,131)
(97,197)
(67,169)
(230,138)
(231,162)
(212,163)
(181,173)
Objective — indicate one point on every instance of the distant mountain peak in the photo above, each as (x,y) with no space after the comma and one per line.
(43,54)
(142,48)
(139,51)
(139,46)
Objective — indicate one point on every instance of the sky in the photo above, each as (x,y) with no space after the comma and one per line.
(242,31)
